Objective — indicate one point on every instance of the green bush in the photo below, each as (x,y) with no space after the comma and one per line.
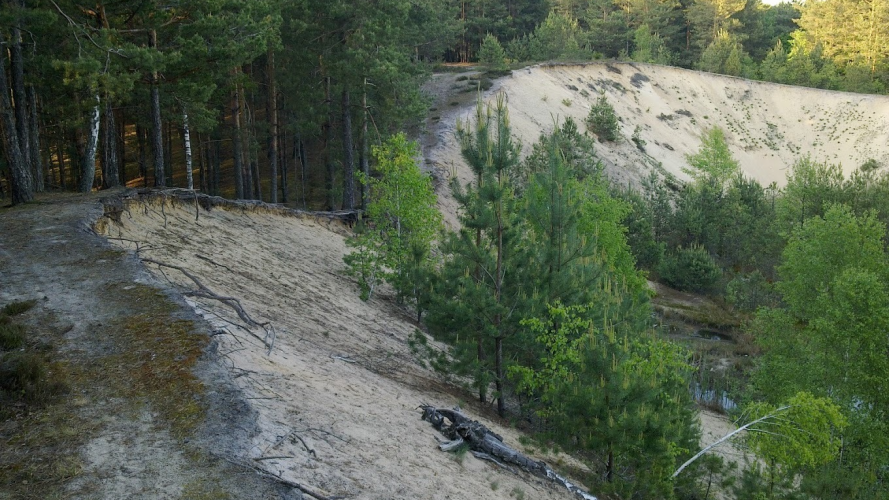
(749,292)
(23,373)
(491,53)
(17,307)
(12,336)
(602,120)
(690,269)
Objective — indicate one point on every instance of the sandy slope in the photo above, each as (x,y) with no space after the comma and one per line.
(768,126)
(340,380)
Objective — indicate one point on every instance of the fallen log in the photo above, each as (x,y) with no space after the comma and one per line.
(489,446)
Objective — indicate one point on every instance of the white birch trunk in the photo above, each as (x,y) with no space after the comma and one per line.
(89,155)
(189,176)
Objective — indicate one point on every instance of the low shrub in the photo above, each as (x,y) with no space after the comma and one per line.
(12,336)
(602,120)
(690,269)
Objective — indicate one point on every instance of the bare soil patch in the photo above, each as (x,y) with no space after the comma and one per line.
(149,411)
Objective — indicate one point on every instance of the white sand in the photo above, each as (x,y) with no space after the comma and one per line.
(768,126)
(341,375)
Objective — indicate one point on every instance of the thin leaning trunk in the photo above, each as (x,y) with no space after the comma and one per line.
(88,162)
(157,137)
(186,138)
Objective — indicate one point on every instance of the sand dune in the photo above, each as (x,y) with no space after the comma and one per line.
(768,126)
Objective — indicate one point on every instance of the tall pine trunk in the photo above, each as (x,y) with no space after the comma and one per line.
(157,136)
(202,164)
(91,145)
(237,151)
(283,144)
(363,155)
(110,166)
(168,153)
(22,189)
(120,138)
(216,164)
(37,163)
(246,144)
(17,72)
(186,139)
(348,155)
(272,114)
(143,161)
(328,143)
(304,167)
(60,153)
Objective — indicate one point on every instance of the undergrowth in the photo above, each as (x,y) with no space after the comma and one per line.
(51,402)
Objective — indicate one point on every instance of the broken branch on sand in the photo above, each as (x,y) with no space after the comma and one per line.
(206,293)
(487,445)
(268,475)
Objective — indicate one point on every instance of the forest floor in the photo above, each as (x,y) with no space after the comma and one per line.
(147,409)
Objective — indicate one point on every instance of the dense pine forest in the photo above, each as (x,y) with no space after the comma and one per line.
(280,101)
(542,294)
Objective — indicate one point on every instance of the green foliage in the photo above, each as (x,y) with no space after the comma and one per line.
(749,292)
(713,163)
(491,53)
(23,374)
(690,269)
(822,250)
(637,139)
(649,47)
(622,398)
(830,339)
(724,55)
(481,286)
(402,220)
(811,187)
(17,307)
(640,231)
(12,336)
(806,434)
(559,36)
(602,120)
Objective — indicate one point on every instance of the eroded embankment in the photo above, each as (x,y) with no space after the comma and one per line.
(336,397)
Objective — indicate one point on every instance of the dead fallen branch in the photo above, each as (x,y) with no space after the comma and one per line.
(280,480)
(487,445)
(206,293)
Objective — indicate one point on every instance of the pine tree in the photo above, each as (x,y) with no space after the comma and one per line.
(481,277)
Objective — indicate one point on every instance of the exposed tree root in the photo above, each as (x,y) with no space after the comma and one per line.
(204,292)
(487,445)
(114,205)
